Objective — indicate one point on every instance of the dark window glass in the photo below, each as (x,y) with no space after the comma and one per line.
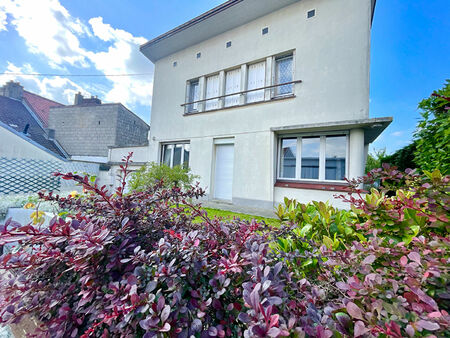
(288,158)
(310,157)
(336,149)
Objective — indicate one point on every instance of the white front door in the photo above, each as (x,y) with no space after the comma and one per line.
(223,185)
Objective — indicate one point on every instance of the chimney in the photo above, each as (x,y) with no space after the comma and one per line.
(13,90)
(78,99)
(25,130)
(50,134)
(92,101)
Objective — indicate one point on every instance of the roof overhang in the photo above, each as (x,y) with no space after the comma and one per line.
(372,127)
(227,16)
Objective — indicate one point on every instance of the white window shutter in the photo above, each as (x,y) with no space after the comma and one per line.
(212,90)
(232,85)
(256,79)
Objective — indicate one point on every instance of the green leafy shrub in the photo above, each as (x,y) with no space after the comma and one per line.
(432,134)
(317,221)
(406,205)
(152,173)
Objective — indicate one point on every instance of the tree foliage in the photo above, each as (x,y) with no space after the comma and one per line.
(152,173)
(433,132)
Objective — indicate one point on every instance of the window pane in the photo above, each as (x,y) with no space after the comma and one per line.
(310,157)
(167,153)
(288,158)
(187,150)
(283,74)
(194,95)
(336,149)
(177,154)
(232,85)
(256,79)
(212,90)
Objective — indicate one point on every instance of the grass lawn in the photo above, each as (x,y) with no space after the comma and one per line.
(230,215)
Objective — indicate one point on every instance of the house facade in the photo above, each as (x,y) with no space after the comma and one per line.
(266,99)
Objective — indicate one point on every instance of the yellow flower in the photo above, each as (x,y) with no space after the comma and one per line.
(37,217)
(29,206)
(74,194)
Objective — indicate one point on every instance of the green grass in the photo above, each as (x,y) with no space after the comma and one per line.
(228,215)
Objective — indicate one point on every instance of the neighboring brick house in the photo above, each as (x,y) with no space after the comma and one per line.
(88,128)
(266,99)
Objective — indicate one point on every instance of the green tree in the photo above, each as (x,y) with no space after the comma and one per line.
(433,132)
(152,173)
(403,158)
(375,159)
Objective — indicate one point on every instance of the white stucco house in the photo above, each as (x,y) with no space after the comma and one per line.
(265,99)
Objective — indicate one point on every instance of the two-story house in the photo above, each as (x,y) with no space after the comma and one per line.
(265,99)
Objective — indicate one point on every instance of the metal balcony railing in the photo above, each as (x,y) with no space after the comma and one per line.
(240,93)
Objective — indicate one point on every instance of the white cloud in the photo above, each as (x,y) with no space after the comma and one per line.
(58,89)
(3,17)
(50,31)
(123,56)
(397,133)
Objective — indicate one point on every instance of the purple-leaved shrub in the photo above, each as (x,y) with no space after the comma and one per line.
(153,264)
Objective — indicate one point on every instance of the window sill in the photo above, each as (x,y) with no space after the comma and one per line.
(324,186)
(273,99)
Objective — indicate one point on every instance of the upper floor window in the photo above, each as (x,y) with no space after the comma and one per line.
(322,157)
(253,82)
(256,78)
(174,154)
(193,95)
(232,85)
(212,91)
(284,74)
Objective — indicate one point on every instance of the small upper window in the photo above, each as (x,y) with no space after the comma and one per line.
(193,96)
(283,74)
(311,13)
(265,30)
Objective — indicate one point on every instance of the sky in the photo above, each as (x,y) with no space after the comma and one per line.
(410,55)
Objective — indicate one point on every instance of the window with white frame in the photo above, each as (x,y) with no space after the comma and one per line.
(256,78)
(174,154)
(232,85)
(322,157)
(212,90)
(283,74)
(193,95)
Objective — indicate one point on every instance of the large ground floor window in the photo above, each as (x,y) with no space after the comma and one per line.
(174,154)
(313,157)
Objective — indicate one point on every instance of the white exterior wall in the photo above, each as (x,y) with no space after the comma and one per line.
(331,57)
(13,146)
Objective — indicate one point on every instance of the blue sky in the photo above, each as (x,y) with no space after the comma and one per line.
(410,51)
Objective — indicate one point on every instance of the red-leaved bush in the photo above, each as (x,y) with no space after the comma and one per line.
(153,264)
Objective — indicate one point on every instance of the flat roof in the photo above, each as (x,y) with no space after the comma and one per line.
(226,16)
(372,127)
(229,15)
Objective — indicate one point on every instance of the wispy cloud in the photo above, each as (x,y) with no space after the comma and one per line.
(52,33)
(57,88)
(397,133)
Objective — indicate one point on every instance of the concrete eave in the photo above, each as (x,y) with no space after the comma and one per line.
(227,16)
(372,127)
